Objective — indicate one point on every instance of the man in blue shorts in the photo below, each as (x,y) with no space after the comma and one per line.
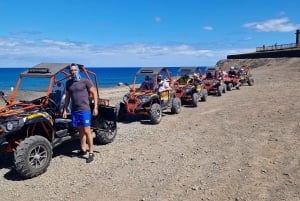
(77,90)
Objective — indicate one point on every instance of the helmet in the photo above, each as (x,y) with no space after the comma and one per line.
(232,67)
(242,69)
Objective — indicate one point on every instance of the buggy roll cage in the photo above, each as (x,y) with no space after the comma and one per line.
(153,72)
(53,71)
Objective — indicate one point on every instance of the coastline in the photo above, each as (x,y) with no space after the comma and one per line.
(241,146)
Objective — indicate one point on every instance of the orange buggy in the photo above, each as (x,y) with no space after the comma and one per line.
(245,75)
(189,86)
(32,128)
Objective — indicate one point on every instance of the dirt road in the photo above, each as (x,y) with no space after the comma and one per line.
(244,145)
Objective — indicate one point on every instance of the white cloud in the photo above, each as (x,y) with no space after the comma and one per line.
(19,52)
(157,19)
(22,32)
(247,38)
(273,25)
(208,28)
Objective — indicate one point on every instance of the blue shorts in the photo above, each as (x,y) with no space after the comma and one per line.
(81,118)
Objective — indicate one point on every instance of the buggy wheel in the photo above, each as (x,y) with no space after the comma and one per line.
(176,106)
(250,82)
(229,86)
(121,111)
(105,131)
(219,92)
(195,99)
(204,95)
(33,156)
(223,88)
(155,113)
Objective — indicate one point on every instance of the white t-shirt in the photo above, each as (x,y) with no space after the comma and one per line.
(163,85)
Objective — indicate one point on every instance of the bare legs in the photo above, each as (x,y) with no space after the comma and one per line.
(86,137)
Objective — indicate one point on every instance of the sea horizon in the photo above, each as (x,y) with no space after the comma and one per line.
(107,77)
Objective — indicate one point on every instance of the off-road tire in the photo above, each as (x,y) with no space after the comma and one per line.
(155,113)
(224,89)
(229,86)
(121,112)
(105,137)
(105,131)
(204,95)
(176,106)
(250,82)
(195,99)
(33,156)
(219,92)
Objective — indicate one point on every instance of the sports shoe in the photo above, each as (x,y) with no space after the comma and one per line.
(81,153)
(90,158)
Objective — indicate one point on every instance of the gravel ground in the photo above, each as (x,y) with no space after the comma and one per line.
(241,146)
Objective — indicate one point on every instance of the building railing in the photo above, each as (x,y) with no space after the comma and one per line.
(276,47)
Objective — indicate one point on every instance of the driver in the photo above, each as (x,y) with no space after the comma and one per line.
(184,79)
(232,72)
(147,84)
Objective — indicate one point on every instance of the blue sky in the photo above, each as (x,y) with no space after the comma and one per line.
(124,33)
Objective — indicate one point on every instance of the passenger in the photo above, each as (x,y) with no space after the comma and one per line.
(196,79)
(163,84)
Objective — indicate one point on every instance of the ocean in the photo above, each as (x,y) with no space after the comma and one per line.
(107,76)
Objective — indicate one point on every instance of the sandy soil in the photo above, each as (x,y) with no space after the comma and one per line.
(244,145)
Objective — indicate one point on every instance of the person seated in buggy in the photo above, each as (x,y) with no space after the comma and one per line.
(185,79)
(209,75)
(242,71)
(163,84)
(195,79)
(232,72)
(148,83)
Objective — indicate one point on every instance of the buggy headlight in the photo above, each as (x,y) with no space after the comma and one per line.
(11,125)
(125,98)
(187,90)
(144,99)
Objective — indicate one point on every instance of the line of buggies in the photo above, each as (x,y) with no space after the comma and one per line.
(31,125)
(188,88)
